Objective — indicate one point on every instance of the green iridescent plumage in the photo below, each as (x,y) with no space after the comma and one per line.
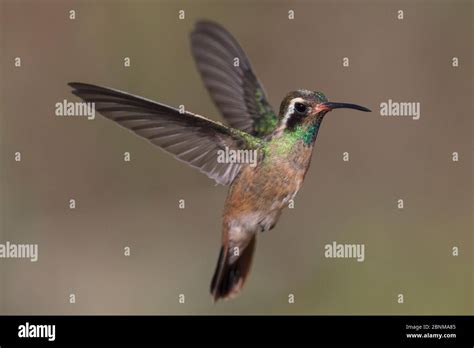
(249,141)
(322,98)
(267,121)
(285,143)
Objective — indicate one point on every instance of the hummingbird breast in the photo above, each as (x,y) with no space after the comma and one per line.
(259,194)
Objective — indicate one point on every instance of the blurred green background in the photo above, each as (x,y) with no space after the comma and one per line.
(174,251)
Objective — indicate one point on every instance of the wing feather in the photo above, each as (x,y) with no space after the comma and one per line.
(234,89)
(189,137)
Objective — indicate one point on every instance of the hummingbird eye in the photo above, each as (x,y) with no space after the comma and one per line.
(300,108)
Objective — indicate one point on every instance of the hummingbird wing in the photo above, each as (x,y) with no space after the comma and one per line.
(190,138)
(228,75)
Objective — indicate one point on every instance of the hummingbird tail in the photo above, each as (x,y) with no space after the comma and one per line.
(229,277)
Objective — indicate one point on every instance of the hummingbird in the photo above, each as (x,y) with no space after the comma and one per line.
(283,142)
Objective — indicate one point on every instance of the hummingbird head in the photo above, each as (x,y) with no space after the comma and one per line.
(304,109)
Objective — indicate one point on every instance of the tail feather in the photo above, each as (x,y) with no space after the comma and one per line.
(230,275)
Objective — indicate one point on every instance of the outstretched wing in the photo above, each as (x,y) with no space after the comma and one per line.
(228,76)
(190,138)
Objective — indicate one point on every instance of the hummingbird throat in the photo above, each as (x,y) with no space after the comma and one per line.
(309,134)
(305,132)
(285,143)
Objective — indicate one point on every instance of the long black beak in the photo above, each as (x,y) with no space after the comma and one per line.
(331,106)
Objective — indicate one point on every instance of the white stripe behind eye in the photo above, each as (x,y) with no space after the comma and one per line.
(291,109)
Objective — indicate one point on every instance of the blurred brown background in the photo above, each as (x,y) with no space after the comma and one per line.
(136,204)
